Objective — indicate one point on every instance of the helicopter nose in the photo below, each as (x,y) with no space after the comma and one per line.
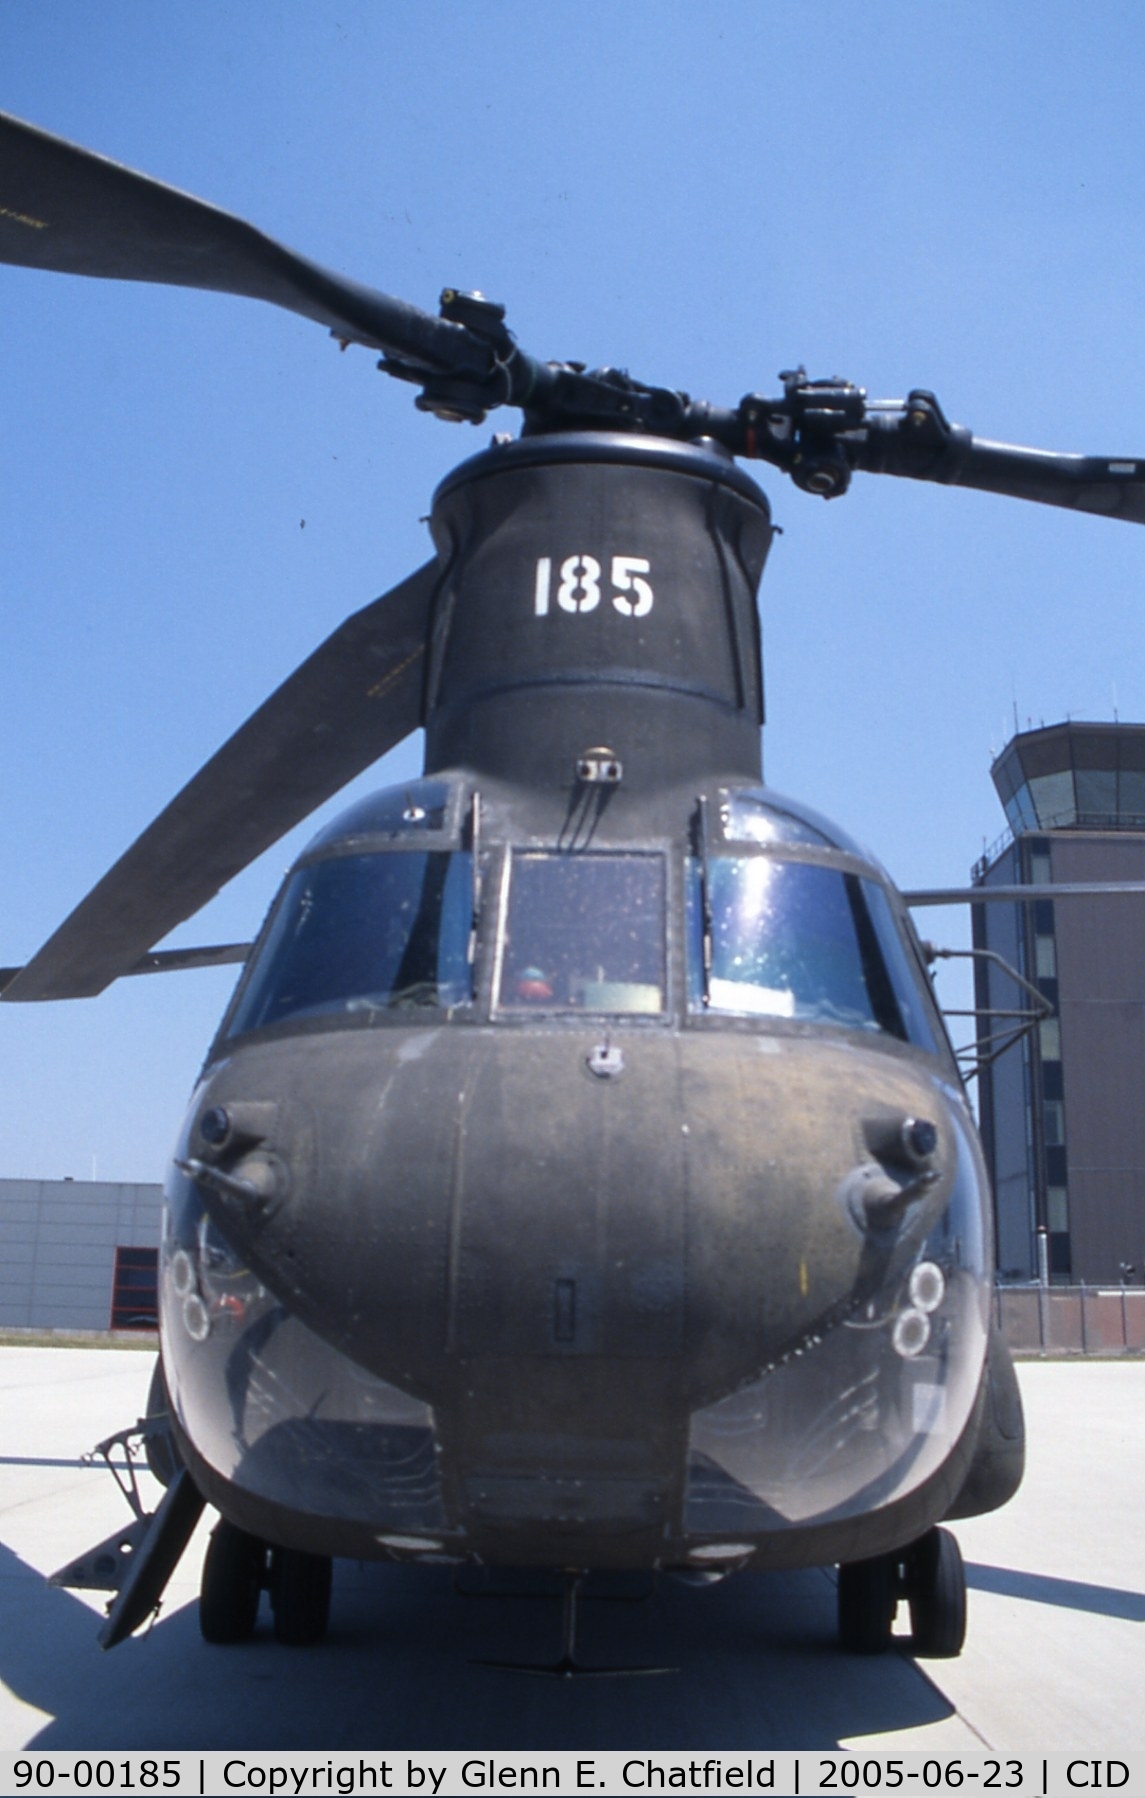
(735,1263)
(546,1193)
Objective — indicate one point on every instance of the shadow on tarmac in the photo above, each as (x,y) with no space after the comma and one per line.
(1071,1594)
(758,1667)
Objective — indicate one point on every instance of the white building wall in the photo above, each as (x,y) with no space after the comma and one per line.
(57,1248)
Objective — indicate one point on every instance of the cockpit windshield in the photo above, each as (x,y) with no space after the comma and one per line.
(793,939)
(389,933)
(363,934)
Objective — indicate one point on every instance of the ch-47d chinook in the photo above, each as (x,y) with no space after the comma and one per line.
(581,1176)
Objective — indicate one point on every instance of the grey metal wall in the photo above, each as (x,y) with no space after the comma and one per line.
(1101,1001)
(57,1248)
(1092,1079)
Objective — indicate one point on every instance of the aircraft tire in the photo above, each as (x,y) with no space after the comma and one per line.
(936,1591)
(868,1596)
(234,1573)
(300,1594)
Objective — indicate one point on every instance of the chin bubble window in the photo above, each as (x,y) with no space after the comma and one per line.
(364,934)
(583,933)
(798,940)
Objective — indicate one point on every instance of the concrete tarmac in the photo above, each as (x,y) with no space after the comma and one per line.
(1053,1660)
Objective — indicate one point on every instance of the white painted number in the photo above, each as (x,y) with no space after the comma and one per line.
(541,586)
(626,573)
(579,589)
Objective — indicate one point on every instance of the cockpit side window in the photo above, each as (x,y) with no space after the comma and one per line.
(799,940)
(365,933)
(583,932)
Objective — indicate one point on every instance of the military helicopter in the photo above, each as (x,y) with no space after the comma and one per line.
(581,1176)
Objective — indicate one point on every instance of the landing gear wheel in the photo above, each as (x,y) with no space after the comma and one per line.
(936,1591)
(234,1573)
(868,1598)
(300,1596)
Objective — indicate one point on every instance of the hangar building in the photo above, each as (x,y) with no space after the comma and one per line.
(78,1254)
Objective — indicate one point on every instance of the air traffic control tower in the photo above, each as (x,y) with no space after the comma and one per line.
(1063,1111)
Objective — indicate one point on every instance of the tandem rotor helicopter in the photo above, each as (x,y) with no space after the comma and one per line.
(581,1177)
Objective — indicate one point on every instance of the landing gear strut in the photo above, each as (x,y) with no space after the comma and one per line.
(238,1568)
(929,1575)
(568,1666)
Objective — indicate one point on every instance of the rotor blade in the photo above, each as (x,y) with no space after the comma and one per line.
(178,961)
(917,442)
(65,208)
(170,961)
(1010,895)
(1110,487)
(351,701)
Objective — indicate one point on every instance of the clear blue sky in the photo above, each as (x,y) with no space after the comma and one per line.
(945,194)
